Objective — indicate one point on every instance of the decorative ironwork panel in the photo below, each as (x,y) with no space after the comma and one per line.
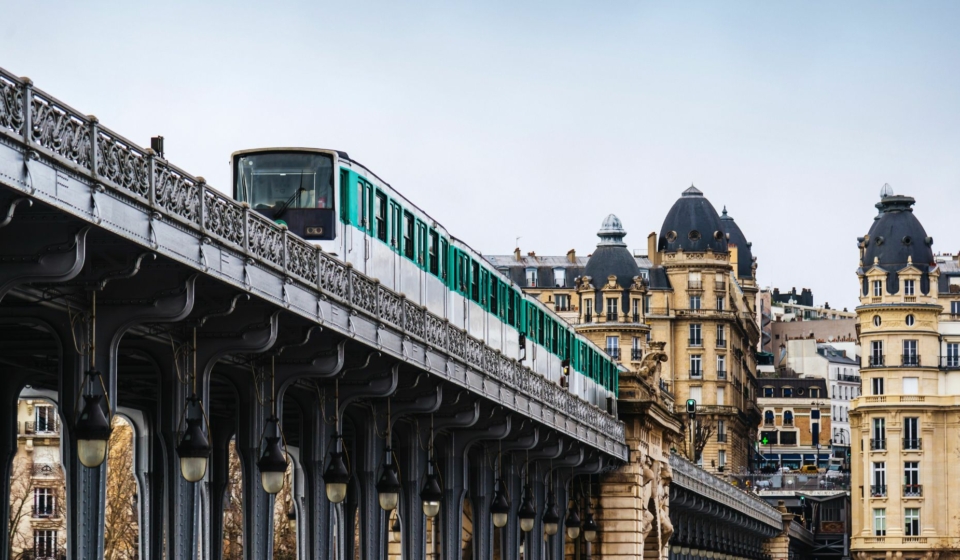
(223,218)
(457,339)
(414,319)
(59,130)
(266,239)
(11,104)
(474,354)
(125,165)
(364,292)
(177,192)
(301,259)
(436,331)
(333,277)
(391,307)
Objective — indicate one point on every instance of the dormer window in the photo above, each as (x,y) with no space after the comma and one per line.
(787,392)
(877,288)
(559,277)
(908,287)
(531,274)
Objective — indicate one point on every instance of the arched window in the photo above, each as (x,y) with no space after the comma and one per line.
(768,417)
(787,418)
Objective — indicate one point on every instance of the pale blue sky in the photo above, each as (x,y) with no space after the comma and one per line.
(537,120)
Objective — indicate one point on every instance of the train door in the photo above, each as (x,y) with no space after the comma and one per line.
(396,238)
(364,207)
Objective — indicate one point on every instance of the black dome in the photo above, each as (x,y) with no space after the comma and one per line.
(897,237)
(611,256)
(736,237)
(692,225)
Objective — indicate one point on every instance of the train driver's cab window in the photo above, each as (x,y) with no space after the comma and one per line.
(275,181)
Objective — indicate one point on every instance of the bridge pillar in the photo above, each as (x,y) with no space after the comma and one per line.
(481,495)
(412,521)
(10,387)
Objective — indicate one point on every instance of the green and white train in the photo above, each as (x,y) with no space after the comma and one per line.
(337,203)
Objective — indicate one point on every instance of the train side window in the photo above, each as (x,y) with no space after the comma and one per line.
(511,314)
(494,295)
(444,264)
(474,281)
(432,253)
(344,196)
(381,216)
(363,203)
(421,243)
(395,222)
(408,233)
(485,288)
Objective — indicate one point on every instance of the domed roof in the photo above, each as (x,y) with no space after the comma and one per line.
(744,247)
(611,256)
(692,225)
(897,237)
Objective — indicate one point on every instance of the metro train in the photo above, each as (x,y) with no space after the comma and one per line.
(331,200)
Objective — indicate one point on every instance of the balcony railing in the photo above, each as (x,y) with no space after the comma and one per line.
(636,317)
(636,353)
(694,285)
(722,437)
(875,361)
(913,490)
(44,512)
(720,286)
(721,374)
(878,491)
(913,444)
(611,317)
(696,374)
(950,362)
(665,387)
(588,317)
(43,428)
(614,353)
(908,360)
(850,378)
(878,444)
(44,554)
(721,343)
(564,307)
(695,342)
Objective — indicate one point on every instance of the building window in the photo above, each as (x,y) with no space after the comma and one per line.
(380,217)
(788,438)
(720,300)
(559,277)
(46,419)
(611,309)
(695,332)
(911,479)
(908,287)
(815,392)
(787,418)
(879,488)
(531,275)
(955,307)
(910,357)
(721,458)
(696,366)
(880,522)
(876,320)
(721,367)
(879,434)
(768,392)
(646,303)
(721,431)
(768,417)
(911,516)
(721,396)
(695,302)
(408,229)
(635,309)
(696,393)
(562,302)
(876,353)
(613,347)
(911,433)
(44,503)
(588,310)
(877,384)
(787,392)
(694,281)
(721,336)
(953,354)
(45,544)
(910,320)
(877,288)
(911,385)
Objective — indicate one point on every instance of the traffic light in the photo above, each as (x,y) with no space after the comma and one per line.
(691,407)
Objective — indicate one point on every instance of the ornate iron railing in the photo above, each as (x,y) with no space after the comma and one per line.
(79,142)
(699,481)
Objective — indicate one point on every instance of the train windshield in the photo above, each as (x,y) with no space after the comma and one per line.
(275,181)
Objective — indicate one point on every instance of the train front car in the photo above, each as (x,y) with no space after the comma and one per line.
(292,186)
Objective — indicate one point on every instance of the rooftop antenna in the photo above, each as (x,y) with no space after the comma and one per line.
(518,241)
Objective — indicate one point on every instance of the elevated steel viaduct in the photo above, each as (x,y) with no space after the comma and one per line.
(114,261)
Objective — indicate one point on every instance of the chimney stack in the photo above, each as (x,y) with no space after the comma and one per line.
(516,254)
(572,256)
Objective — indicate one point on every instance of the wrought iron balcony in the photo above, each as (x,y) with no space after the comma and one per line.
(878,491)
(908,360)
(721,343)
(850,378)
(722,437)
(611,317)
(696,374)
(41,429)
(44,512)
(614,353)
(913,444)
(878,444)
(665,387)
(636,317)
(695,342)
(694,285)
(636,353)
(950,362)
(875,360)
(721,374)
(720,286)
(913,490)
(588,317)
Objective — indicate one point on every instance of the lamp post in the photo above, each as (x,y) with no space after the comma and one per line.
(273,459)
(336,476)
(92,427)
